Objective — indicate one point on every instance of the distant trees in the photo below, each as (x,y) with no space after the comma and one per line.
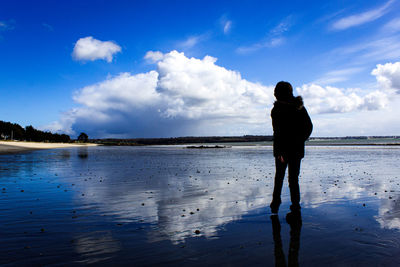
(14,131)
(83,137)
(10,130)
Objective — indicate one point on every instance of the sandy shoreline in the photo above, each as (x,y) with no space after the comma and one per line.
(8,147)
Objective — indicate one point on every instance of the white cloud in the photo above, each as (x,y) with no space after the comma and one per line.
(335,76)
(120,93)
(88,48)
(191,96)
(192,41)
(273,42)
(196,88)
(227,26)
(154,56)
(388,76)
(373,113)
(361,18)
(392,26)
(186,95)
(276,41)
(335,100)
(63,125)
(104,104)
(383,49)
(282,27)
(275,38)
(375,49)
(362,122)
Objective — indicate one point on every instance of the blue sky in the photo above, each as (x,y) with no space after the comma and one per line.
(176,68)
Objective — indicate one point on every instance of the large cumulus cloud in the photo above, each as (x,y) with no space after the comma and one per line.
(199,89)
(388,76)
(183,96)
(191,96)
(330,99)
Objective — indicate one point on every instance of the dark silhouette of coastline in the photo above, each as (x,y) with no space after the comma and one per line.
(315,141)
(14,131)
(183,140)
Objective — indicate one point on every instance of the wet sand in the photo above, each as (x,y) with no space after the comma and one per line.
(8,147)
(173,206)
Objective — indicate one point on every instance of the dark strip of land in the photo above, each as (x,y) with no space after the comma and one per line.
(182,140)
(314,141)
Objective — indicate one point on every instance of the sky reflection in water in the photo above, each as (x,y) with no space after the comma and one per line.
(173,205)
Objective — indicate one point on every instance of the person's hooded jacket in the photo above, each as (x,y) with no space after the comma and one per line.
(292,126)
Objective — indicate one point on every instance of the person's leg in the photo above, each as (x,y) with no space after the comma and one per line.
(280,169)
(294,170)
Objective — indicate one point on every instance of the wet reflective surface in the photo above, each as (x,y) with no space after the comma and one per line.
(177,206)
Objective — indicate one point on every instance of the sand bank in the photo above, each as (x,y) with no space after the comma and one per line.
(7,147)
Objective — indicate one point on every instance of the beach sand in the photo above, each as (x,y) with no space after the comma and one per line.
(7,147)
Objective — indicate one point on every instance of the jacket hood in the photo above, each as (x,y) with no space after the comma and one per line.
(296,102)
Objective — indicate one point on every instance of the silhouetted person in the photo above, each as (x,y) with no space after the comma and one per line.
(294,245)
(292,126)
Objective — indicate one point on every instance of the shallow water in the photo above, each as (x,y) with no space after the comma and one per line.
(177,206)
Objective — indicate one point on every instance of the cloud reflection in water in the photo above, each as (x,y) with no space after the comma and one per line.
(180,191)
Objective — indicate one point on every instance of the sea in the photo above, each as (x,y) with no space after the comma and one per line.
(175,206)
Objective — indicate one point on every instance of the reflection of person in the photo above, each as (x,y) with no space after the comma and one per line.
(83,153)
(280,259)
(294,246)
(292,126)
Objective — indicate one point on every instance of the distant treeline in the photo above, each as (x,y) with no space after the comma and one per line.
(213,139)
(183,140)
(14,131)
(354,137)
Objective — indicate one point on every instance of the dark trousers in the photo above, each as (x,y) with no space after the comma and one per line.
(294,170)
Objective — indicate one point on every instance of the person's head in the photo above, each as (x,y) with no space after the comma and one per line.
(283,91)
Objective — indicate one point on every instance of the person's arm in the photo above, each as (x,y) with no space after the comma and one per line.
(281,159)
(277,127)
(308,126)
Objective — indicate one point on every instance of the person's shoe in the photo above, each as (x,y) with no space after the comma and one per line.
(274,207)
(274,210)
